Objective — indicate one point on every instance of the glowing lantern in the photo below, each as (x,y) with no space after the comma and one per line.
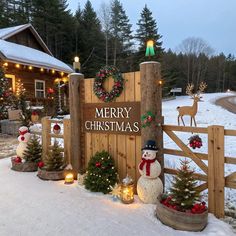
(69,179)
(127,190)
(76,64)
(150,48)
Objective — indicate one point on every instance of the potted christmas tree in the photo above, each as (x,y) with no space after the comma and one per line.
(101,174)
(53,165)
(181,209)
(31,157)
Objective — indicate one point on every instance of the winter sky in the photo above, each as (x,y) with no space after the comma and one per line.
(212,20)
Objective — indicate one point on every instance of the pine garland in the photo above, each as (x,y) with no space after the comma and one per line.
(101,174)
(101,76)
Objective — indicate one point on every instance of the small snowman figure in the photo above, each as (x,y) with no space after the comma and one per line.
(23,139)
(149,186)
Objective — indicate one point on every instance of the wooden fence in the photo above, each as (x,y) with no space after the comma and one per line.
(214,173)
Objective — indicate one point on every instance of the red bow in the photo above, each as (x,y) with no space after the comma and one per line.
(23,132)
(148,162)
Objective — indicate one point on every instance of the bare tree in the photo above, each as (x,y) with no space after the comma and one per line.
(105,19)
(196,51)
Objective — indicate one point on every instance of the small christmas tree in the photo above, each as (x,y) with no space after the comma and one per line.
(101,173)
(33,152)
(183,192)
(54,160)
(6,96)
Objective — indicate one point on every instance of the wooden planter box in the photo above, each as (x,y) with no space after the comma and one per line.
(51,175)
(24,167)
(181,220)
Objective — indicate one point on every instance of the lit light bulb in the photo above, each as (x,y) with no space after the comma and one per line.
(41,69)
(18,66)
(30,67)
(53,71)
(5,64)
(76,59)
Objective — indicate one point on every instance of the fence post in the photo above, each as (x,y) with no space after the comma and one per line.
(46,130)
(151,100)
(216,180)
(66,137)
(75,119)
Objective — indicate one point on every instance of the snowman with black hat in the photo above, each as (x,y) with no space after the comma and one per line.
(149,185)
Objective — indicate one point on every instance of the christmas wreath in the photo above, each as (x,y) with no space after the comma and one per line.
(101,76)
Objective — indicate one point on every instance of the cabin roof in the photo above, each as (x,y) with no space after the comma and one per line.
(6,33)
(16,53)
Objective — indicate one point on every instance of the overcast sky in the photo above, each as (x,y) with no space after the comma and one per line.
(212,20)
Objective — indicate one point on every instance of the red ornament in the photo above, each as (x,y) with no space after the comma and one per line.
(22,138)
(50,91)
(17,160)
(98,164)
(34,113)
(56,129)
(40,164)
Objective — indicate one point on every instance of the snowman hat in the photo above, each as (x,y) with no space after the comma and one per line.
(150,145)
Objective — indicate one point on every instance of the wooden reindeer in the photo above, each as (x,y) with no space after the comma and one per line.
(191,110)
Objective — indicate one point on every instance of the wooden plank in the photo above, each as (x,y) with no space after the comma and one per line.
(67,143)
(211,172)
(174,152)
(131,156)
(230,184)
(121,156)
(56,135)
(187,150)
(230,160)
(88,148)
(112,147)
(231,177)
(137,86)
(184,129)
(229,132)
(195,175)
(46,140)
(219,171)
(202,187)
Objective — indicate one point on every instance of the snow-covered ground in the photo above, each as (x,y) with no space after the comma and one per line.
(30,206)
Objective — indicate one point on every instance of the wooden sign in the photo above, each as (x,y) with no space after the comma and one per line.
(116,118)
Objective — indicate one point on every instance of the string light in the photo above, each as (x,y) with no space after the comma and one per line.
(62,73)
(30,67)
(17,66)
(5,64)
(53,71)
(41,69)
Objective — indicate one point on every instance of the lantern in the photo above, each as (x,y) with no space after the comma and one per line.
(150,48)
(127,190)
(76,64)
(69,179)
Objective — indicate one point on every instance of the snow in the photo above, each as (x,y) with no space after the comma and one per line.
(25,55)
(6,31)
(30,206)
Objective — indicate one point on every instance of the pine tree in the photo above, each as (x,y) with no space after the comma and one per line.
(101,173)
(183,192)
(6,95)
(120,30)
(147,29)
(33,152)
(54,160)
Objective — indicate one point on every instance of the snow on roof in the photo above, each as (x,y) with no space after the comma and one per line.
(28,56)
(8,31)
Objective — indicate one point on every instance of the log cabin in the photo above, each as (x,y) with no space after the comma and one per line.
(28,61)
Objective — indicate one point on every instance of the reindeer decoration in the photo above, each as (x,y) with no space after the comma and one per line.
(191,110)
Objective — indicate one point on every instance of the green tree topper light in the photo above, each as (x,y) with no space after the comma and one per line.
(150,48)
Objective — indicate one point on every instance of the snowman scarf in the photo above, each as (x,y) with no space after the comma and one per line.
(148,165)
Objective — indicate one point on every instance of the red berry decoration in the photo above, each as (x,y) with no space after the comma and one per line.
(195,142)
(56,129)
(40,164)
(98,164)
(17,160)
(22,138)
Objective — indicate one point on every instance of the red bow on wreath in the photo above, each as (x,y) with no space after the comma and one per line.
(148,162)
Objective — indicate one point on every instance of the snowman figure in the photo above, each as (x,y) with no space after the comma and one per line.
(23,139)
(149,186)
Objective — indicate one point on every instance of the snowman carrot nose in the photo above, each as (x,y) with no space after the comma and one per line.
(22,138)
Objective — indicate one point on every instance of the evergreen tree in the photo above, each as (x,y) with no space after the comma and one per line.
(101,173)
(54,160)
(183,192)
(90,40)
(6,96)
(147,29)
(33,152)
(120,30)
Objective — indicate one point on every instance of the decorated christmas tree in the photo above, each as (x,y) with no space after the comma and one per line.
(54,160)
(101,174)
(183,192)
(33,150)
(6,96)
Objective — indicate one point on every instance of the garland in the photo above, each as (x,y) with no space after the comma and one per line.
(147,119)
(101,76)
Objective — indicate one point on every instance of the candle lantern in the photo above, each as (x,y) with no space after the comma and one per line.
(127,190)
(69,179)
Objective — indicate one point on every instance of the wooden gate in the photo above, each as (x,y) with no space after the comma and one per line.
(125,149)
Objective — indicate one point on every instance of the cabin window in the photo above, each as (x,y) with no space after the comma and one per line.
(39,89)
